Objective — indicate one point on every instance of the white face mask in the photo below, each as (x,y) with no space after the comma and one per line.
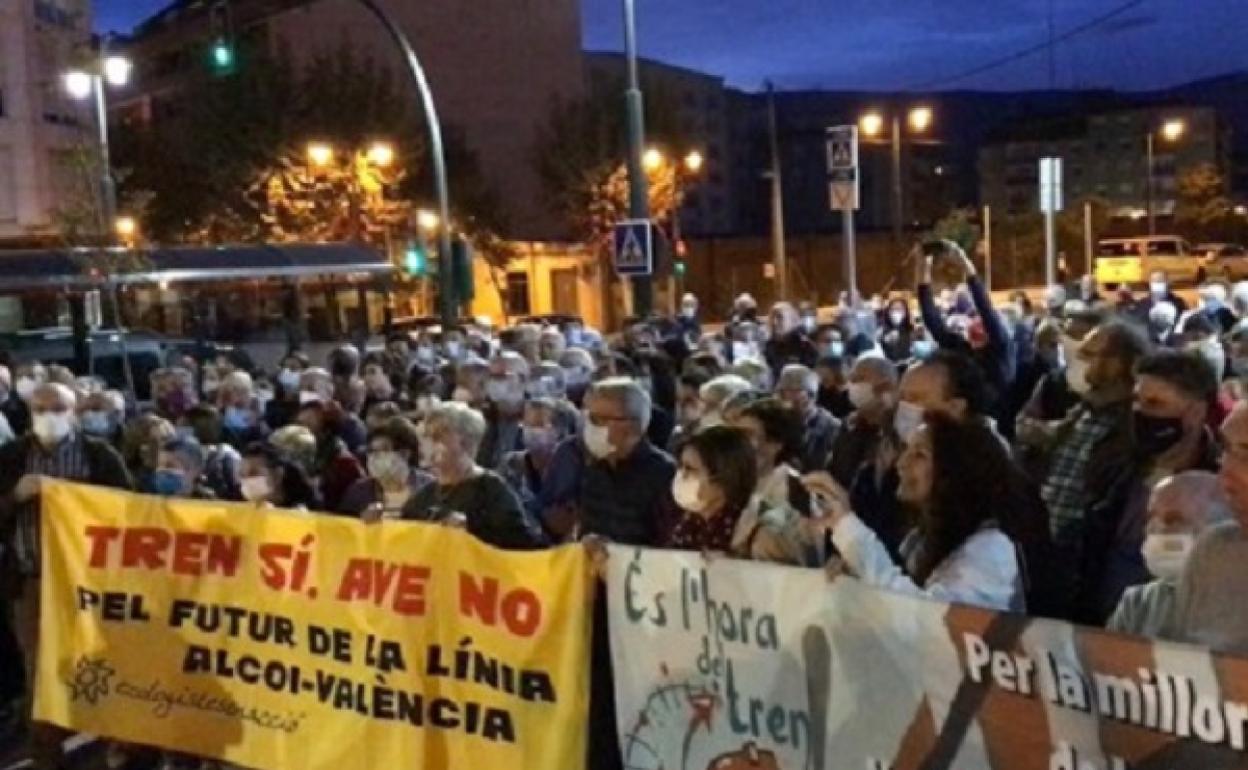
(25,387)
(462,395)
(389,466)
(687,492)
(1076,367)
(907,420)
(861,394)
(1167,555)
(309,397)
(453,349)
(1158,289)
(897,317)
(255,488)
(51,427)
(597,440)
(288,379)
(742,350)
(503,393)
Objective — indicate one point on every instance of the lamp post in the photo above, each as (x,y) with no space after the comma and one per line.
(638,190)
(919,120)
(1171,131)
(689,166)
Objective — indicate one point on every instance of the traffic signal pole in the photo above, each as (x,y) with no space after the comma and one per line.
(449,308)
(638,192)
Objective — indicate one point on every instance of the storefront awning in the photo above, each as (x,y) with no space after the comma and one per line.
(72,268)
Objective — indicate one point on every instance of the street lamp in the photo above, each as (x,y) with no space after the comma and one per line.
(427,220)
(653,159)
(694,161)
(320,154)
(126,228)
(381,154)
(919,119)
(1171,130)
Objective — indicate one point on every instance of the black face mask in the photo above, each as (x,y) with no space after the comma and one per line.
(1155,435)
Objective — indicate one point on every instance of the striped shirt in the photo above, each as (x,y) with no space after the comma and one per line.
(67,460)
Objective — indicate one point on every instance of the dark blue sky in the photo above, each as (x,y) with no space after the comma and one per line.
(899,44)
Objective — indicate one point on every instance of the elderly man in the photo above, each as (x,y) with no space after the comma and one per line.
(611,481)
(1210,607)
(54,448)
(1094,442)
(1180,509)
(789,343)
(873,393)
(551,344)
(798,388)
(505,390)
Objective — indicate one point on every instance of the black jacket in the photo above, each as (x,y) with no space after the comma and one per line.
(106,467)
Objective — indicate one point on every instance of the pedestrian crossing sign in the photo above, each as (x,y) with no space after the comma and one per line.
(634,247)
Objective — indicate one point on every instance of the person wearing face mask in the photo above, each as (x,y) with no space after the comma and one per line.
(1173,393)
(551,344)
(1159,291)
(281,410)
(897,332)
(688,322)
(101,415)
(798,386)
(336,467)
(268,478)
(393,452)
(789,342)
(505,389)
(179,468)
(541,431)
(770,527)
(873,392)
(463,493)
(379,383)
(1180,509)
(578,371)
(140,441)
(808,318)
(1162,317)
(712,488)
(54,447)
(713,395)
(221,461)
(1213,305)
(1092,444)
(27,376)
(242,422)
(1200,336)
(830,341)
(316,386)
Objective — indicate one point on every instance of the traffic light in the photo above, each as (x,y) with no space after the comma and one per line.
(461,270)
(222,57)
(679,268)
(416,260)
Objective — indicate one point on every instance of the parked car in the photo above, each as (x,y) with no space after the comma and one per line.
(1224,260)
(1131,260)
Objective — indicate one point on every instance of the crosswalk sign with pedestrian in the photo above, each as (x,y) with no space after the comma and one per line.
(634,247)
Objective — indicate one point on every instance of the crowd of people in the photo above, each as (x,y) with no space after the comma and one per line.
(1083,458)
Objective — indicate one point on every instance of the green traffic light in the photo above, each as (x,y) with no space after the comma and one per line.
(222,56)
(415,261)
(679,267)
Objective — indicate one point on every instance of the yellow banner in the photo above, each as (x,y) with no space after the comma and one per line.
(278,640)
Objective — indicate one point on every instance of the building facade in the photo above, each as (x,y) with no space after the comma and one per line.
(1105,156)
(495,68)
(41,128)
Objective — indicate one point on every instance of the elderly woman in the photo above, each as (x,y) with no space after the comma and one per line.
(270,478)
(102,414)
(242,420)
(465,494)
(179,470)
(541,431)
(141,443)
(221,461)
(393,451)
(298,444)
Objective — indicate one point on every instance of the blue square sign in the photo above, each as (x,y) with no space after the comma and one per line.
(634,247)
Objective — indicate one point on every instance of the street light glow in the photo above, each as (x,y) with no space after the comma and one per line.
(1173,130)
(920,119)
(872,123)
(78,84)
(652,159)
(694,161)
(381,154)
(126,227)
(320,154)
(117,70)
(427,220)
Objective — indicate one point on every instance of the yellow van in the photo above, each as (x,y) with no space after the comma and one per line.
(1131,260)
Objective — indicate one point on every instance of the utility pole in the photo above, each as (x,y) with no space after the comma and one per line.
(988,247)
(899,213)
(1087,235)
(638,192)
(777,198)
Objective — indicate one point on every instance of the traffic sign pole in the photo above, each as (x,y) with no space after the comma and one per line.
(843,190)
(850,261)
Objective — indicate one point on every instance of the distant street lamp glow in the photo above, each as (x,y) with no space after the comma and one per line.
(1173,130)
(920,119)
(652,159)
(872,123)
(78,84)
(694,161)
(427,220)
(126,227)
(320,154)
(117,70)
(381,154)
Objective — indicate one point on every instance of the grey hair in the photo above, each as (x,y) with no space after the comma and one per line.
(578,357)
(513,362)
(64,392)
(628,393)
(881,367)
(755,370)
(716,392)
(801,376)
(461,418)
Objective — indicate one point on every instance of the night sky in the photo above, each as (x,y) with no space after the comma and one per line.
(908,44)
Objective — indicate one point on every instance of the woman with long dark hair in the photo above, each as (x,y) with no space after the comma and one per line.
(712,487)
(959,482)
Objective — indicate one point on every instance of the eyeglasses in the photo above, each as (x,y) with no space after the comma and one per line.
(599,419)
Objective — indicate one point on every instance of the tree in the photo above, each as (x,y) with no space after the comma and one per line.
(1203,211)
